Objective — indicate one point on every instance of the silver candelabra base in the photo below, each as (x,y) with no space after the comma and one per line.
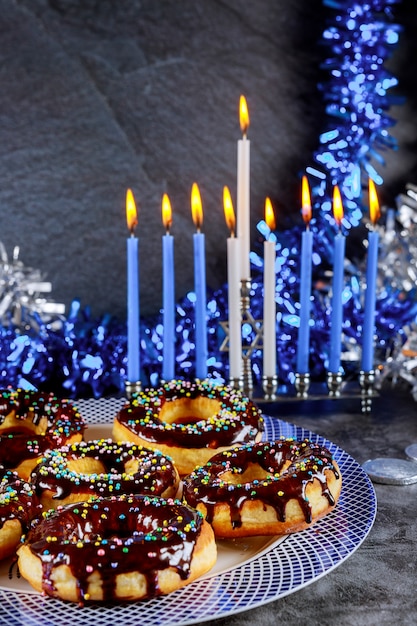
(367,385)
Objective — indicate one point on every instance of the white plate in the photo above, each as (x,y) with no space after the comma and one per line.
(249,572)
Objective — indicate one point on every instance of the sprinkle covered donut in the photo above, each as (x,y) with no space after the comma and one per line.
(269,488)
(18,507)
(32,422)
(189,421)
(102,468)
(125,548)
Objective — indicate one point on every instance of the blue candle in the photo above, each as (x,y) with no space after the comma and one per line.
(337,287)
(168,288)
(337,305)
(370,296)
(199,286)
(133,342)
(371,278)
(303,347)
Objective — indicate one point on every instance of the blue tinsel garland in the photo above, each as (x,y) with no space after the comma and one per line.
(361,37)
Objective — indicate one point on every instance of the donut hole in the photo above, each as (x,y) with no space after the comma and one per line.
(86,466)
(189,410)
(94,466)
(23,426)
(132,466)
(251,473)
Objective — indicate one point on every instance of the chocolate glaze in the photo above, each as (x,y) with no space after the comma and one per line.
(17,500)
(116,536)
(238,421)
(20,443)
(307,462)
(155,473)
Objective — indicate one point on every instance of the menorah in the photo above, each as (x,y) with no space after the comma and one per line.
(334,386)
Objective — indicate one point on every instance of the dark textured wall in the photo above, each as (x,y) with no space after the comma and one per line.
(100,95)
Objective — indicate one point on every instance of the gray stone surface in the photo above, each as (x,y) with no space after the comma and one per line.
(100,95)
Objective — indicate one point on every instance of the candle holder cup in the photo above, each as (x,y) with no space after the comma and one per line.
(269,386)
(334,383)
(237,383)
(302,384)
(132,388)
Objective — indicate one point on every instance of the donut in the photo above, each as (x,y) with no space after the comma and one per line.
(189,421)
(270,488)
(32,422)
(102,468)
(117,549)
(18,507)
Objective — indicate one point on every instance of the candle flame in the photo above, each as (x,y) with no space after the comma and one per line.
(243,115)
(305,200)
(229,213)
(196,206)
(337,206)
(166,212)
(374,210)
(131,212)
(269,214)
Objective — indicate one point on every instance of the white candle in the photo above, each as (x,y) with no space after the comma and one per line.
(243,190)
(233,291)
(269,314)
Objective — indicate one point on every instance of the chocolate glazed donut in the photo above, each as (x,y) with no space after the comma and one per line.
(189,421)
(117,549)
(18,507)
(269,488)
(32,422)
(102,468)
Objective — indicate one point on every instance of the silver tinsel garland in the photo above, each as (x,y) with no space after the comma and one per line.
(398,272)
(42,347)
(22,294)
